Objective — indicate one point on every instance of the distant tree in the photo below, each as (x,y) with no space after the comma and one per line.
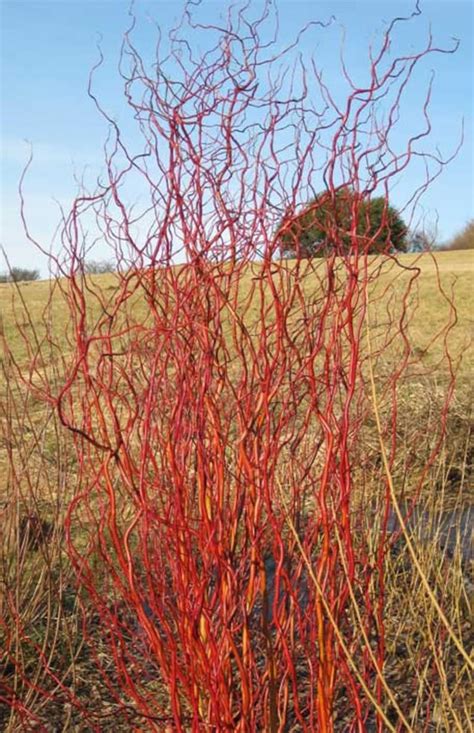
(19,274)
(99,267)
(421,241)
(325,226)
(465,238)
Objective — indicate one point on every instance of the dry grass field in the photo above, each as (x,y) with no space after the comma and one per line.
(38,478)
(32,305)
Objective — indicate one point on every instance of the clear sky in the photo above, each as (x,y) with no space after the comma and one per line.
(48,48)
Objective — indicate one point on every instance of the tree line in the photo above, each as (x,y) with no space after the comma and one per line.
(323,227)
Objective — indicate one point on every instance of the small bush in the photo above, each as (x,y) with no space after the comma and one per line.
(19,274)
(98,267)
(421,241)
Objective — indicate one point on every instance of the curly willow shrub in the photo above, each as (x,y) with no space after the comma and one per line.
(217,396)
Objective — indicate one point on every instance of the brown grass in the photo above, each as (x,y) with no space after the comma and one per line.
(39,605)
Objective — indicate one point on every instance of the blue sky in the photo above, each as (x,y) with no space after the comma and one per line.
(48,49)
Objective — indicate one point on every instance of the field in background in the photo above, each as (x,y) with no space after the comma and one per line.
(37,314)
(30,304)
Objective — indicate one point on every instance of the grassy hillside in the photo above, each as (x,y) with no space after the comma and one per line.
(38,307)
